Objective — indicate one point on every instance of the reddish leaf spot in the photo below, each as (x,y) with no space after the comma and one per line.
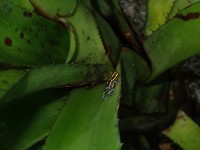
(21,35)
(88,38)
(27,14)
(189,16)
(29,41)
(8,41)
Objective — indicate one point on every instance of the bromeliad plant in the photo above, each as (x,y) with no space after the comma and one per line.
(74,74)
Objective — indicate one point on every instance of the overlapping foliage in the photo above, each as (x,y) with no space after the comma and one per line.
(56,58)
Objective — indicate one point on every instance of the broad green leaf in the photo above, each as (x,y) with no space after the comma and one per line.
(157,14)
(87,122)
(185,132)
(54,76)
(8,78)
(179,5)
(89,46)
(91,49)
(175,41)
(27,121)
(28,39)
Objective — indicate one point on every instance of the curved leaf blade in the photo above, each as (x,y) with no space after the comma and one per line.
(172,43)
(28,120)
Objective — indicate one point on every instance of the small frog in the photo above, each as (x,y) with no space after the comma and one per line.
(110,84)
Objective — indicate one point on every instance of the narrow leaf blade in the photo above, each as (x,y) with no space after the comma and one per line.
(54,76)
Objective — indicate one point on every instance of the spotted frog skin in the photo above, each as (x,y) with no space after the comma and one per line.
(110,84)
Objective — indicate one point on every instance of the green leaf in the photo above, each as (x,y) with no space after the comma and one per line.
(157,13)
(102,8)
(54,76)
(125,27)
(89,47)
(172,43)
(50,8)
(149,98)
(53,11)
(110,40)
(8,78)
(145,122)
(110,10)
(73,47)
(185,132)
(28,39)
(87,122)
(179,5)
(27,121)
(134,69)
